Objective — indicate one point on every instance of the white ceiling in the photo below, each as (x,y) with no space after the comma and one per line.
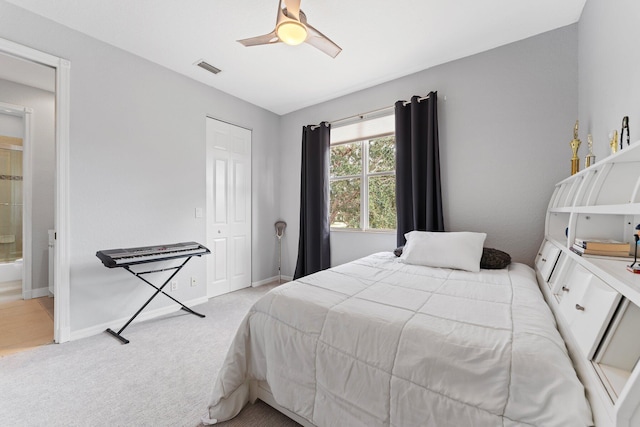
(381,39)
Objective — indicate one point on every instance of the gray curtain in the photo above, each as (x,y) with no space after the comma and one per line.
(418,194)
(313,245)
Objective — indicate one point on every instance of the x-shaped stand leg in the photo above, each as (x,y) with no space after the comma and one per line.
(158,290)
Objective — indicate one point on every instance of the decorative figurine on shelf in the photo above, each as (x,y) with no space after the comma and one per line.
(633,267)
(590,158)
(625,125)
(575,144)
(613,142)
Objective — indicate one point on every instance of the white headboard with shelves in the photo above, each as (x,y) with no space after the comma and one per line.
(595,299)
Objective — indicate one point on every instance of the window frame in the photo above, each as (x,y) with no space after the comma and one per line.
(364,183)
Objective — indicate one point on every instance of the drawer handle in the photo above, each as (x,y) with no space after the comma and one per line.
(544,260)
(579,307)
(564,288)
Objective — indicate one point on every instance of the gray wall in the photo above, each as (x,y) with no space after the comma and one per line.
(137,166)
(609,66)
(43,161)
(505,128)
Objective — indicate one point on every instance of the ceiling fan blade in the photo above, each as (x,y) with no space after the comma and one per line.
(322,42)
(281,16)
(293,9)
(258,40)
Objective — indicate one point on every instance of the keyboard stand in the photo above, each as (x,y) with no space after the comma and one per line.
(158,291)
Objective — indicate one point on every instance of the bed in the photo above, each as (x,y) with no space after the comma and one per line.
(380,342)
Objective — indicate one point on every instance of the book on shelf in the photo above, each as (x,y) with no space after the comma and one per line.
(584,251)
(604,244)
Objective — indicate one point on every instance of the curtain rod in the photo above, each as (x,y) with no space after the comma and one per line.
(361,116)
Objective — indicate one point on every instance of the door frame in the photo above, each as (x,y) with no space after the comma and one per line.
(62,317)
(27,191)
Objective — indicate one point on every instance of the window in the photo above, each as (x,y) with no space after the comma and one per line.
(362,178)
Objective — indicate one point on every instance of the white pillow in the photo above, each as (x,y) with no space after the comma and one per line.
(459,250)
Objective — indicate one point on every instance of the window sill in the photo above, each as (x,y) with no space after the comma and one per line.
(354,230)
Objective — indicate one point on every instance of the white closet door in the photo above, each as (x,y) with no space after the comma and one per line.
(228,207)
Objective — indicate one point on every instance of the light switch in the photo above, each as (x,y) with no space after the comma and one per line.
(199,213)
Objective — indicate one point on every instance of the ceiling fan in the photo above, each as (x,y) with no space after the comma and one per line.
(292,28)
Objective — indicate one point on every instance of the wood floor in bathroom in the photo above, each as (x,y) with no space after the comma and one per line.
(25,324)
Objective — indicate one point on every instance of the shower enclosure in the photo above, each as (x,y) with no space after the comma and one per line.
(10,199)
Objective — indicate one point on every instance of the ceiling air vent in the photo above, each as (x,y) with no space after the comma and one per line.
(210,68)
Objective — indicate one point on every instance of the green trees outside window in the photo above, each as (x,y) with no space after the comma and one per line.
(362,193)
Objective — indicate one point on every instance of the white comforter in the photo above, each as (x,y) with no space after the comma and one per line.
(380,343)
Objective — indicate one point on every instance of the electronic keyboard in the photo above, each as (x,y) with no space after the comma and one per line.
(125,257)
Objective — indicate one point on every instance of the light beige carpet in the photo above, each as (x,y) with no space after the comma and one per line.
(162,378)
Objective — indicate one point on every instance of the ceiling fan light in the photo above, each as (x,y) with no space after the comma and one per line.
(291,32)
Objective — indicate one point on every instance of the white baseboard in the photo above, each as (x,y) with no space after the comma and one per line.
(271,280)
(14,292)
(11,286)
(38,293)
(145,315)
(266,281)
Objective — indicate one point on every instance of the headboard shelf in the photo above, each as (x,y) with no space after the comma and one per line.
(620,209)
(594,298)
(620,351)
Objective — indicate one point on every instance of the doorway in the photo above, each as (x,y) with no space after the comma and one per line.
(12,180)
(228,207)
(60,199)
(26,210)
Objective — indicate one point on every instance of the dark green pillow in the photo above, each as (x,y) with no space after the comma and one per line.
(492,259)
